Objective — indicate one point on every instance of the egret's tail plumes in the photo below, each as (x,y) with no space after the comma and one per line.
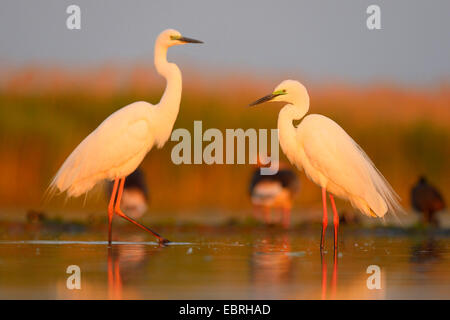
(75,176)
(385,199)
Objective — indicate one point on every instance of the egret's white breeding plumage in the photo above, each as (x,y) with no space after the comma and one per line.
(120,143)
(329,157)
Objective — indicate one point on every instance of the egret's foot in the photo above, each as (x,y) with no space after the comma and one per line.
(164,241)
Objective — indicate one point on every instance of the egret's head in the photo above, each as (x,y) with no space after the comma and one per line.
(171,37)
(289,91)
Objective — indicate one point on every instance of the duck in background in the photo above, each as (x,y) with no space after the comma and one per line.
(135,194)
(273,192)
(427,200)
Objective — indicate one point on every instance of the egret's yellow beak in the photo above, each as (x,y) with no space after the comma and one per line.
(185,39)
(268,98)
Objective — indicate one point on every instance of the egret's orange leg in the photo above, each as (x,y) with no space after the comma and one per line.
(111,210)
(324,219)
(121,214)
(335,222)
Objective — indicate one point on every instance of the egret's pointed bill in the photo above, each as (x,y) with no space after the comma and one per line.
(267,98)
(186,39)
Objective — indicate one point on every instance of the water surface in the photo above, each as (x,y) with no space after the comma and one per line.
(229,263)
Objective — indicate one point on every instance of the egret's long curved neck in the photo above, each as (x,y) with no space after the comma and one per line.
(169,104)
(286,128)
(170,71)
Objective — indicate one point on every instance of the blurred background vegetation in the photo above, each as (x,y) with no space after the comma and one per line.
(45,113)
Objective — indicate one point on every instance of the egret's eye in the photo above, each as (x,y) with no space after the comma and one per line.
(284,90)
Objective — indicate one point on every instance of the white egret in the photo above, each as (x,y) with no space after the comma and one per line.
(329,157)
(120,143)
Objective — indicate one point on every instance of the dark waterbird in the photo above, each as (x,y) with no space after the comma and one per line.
(427,200)
(274,192)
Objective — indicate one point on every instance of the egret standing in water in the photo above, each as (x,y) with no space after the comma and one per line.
(120,143)
(329,157)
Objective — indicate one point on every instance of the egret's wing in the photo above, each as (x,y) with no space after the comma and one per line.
(121,137)
(337,156)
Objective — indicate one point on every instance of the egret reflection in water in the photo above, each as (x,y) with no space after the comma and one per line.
(125,264)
